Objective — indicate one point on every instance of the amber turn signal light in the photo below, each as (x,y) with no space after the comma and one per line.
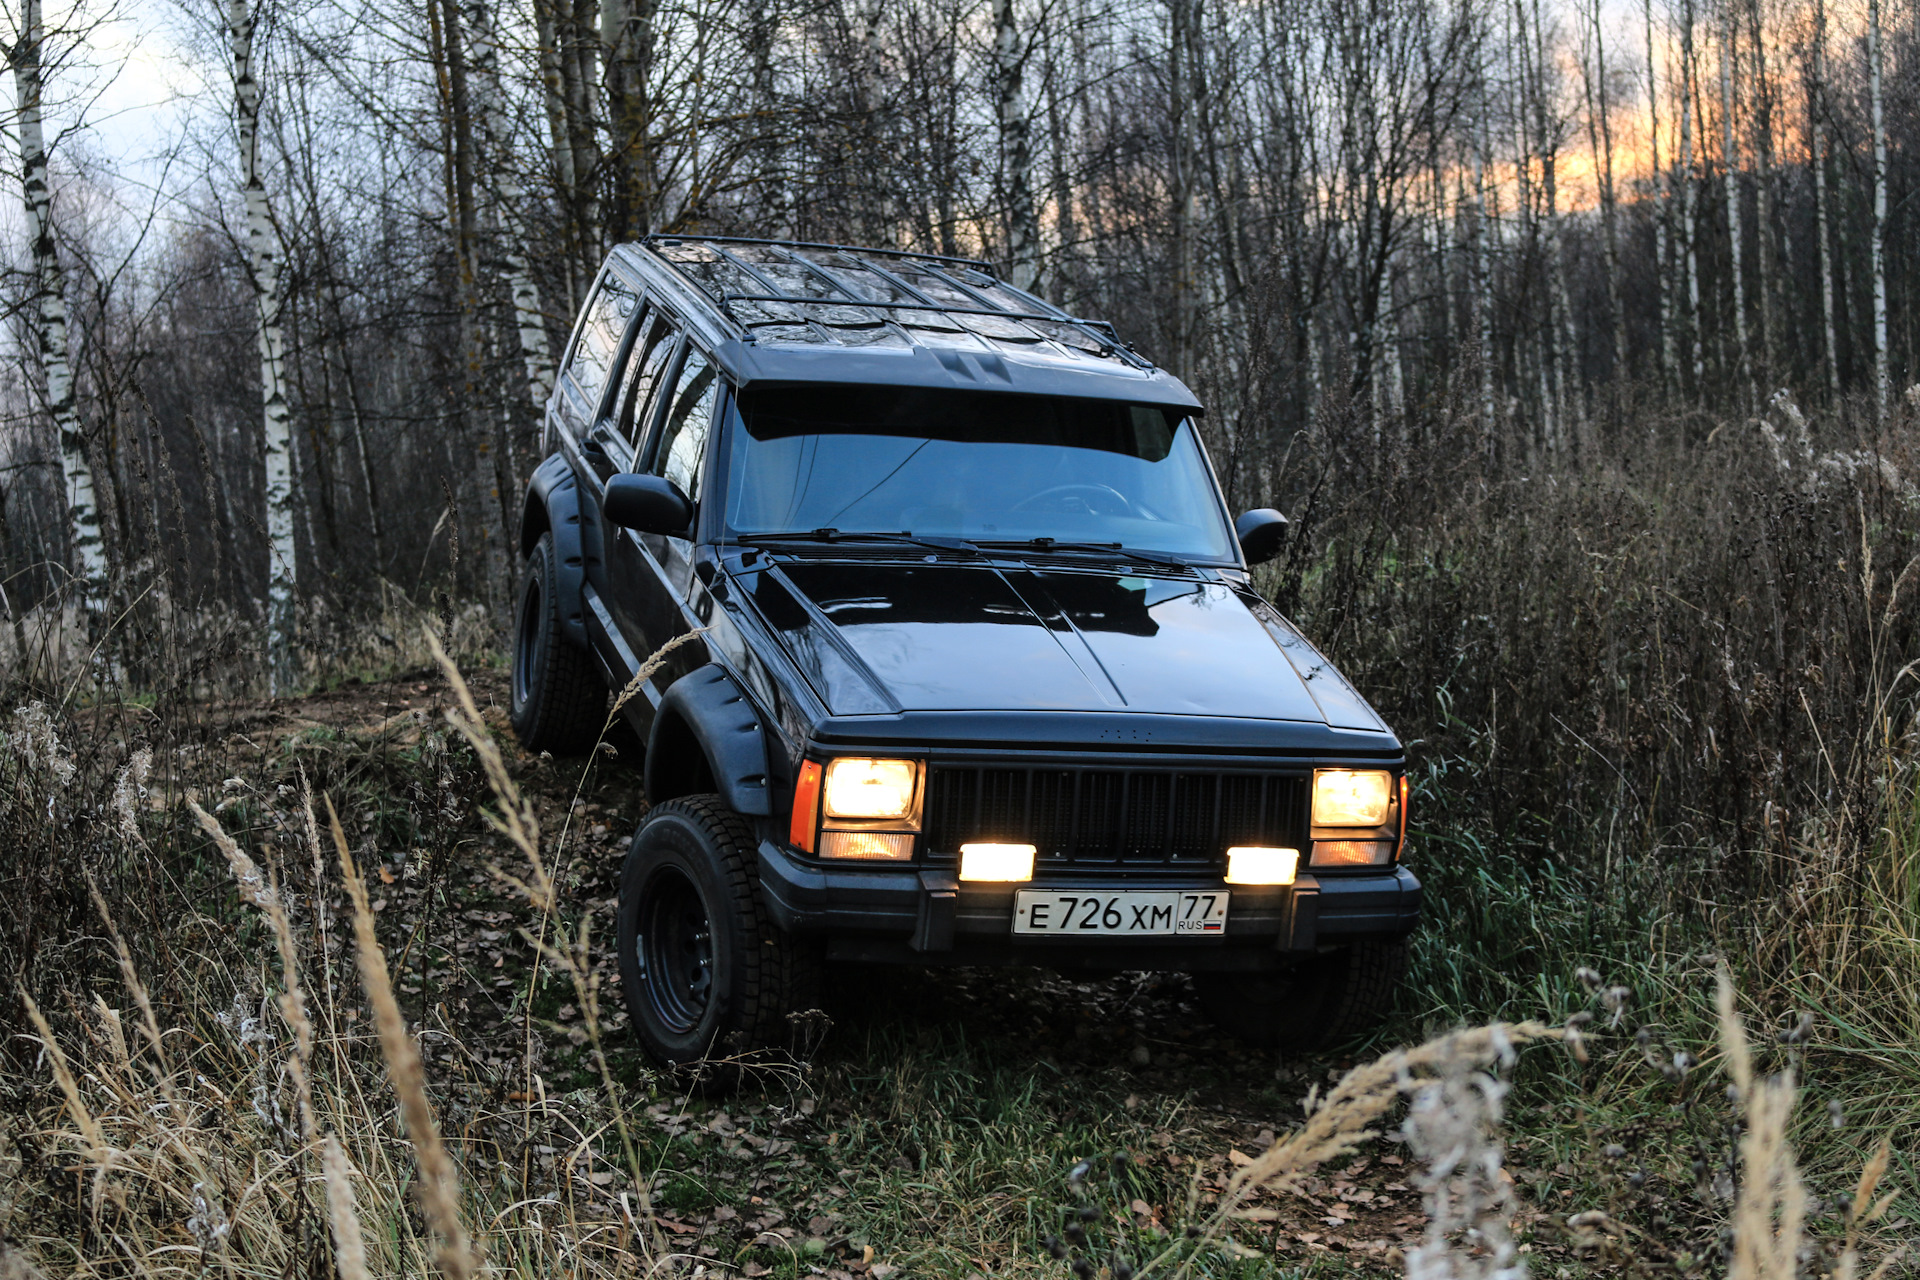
(806,807)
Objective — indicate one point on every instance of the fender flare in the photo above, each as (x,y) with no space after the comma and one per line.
(708,707)
(553,506)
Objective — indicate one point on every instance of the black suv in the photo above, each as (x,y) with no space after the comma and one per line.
(977,675)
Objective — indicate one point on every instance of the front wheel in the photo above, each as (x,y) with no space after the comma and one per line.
(557,700)
(1315,1005)
(710,981)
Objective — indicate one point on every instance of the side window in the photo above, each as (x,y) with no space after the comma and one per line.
(607,316)
(682,451)
(645,369)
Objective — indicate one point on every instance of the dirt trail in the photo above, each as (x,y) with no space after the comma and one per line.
(1196,1105)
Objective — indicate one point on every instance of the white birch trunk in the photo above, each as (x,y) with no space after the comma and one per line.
(264,270)
(506,196)
(1875,90)
(50,319)
(1816,131)
(1016,148)
(1663,197)
(1730,177)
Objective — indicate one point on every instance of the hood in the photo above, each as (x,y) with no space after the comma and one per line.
(882,638)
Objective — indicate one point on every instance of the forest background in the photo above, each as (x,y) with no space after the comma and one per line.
(1579,340)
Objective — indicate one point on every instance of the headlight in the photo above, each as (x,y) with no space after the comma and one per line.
(1351,797)
(870,790)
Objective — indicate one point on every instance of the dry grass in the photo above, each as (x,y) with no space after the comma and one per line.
(1665,711)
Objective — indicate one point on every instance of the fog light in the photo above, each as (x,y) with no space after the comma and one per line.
(1352,853)
(1255,865)
(1002,862)
(880,846)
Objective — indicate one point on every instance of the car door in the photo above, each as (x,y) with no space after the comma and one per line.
(654,572)
(586,384)
(631,418)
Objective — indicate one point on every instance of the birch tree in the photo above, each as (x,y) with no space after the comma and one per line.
(1877,106)
(89,563)
(1016,147)
(263,261)
(1730,177)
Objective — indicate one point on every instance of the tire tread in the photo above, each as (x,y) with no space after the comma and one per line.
(567,707)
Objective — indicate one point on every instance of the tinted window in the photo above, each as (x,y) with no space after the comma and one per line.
(683,440)
(645,367)
(982,466)
(607,316)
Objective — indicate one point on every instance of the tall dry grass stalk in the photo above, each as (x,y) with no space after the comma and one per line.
(1770,1240)
(439,1185)
(572,954)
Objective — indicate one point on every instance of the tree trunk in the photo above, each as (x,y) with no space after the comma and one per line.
(1184,188)
(1662,195)
(1689,218)
(1598,113)
(1730,178)
(1016,147)
(1875,92)
(50,322)
(505,197)
(1816,132)
(1766,255)
(264,273)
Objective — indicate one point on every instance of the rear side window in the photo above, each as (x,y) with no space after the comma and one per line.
(682,453)
(607,316)
(646,368)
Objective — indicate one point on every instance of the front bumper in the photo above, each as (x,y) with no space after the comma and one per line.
(928,917)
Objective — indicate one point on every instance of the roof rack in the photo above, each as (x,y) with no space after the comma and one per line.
(805,294)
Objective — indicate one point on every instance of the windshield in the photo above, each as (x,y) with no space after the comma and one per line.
(973,465)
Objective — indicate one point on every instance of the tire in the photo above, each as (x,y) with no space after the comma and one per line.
(1319,1003)
(558,701)
(710,982)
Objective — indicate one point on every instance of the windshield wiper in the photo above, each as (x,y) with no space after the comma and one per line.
(1048,546)
(843,535)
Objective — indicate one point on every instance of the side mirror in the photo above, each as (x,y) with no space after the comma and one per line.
(1261,533)
(647,504)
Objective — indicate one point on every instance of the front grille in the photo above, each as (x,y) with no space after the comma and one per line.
(1112,816)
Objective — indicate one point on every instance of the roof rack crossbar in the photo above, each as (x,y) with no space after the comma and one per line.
(731,296)
(658,237)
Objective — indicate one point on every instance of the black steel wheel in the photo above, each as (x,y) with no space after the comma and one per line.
(674,951)
(556,700)
(1318,1003)
(710,981)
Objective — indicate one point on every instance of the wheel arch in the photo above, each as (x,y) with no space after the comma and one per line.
(707,737)
(553,506)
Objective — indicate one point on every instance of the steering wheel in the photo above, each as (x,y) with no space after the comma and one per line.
(1092,499)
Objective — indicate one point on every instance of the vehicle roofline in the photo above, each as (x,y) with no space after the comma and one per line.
(1132,379)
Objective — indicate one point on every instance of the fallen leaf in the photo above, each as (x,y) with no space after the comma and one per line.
(1142,1208)
(386,876)
(1239,1157)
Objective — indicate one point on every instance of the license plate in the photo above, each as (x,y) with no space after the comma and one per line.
(1129,913)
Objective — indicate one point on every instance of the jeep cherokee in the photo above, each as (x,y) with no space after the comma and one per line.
(972,669)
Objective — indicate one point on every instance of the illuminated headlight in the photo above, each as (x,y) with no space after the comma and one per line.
(1351,797)
(1253,865)
(870,790)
